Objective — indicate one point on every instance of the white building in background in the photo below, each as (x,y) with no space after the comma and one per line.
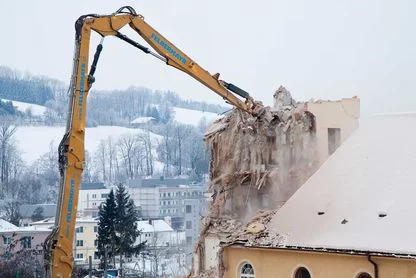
(179,199)
(91,196)
(85,239)
(159,233)
(147,198)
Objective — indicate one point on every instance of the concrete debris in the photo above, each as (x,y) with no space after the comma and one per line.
(256,165)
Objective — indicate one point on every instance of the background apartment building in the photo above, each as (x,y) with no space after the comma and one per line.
(85,239)
(178,199)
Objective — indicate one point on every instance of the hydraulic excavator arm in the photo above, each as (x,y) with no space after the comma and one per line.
(59,245)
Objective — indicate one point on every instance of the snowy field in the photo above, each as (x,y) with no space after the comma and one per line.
(34,141)
(193,117)
(37,110)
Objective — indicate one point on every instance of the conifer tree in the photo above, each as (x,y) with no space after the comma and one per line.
(125,224)
(106,234)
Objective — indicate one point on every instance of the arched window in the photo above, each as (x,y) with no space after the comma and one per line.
(302,273)
(247,271)
(364,275)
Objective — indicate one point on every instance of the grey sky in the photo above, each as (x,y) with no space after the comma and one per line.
(317,49)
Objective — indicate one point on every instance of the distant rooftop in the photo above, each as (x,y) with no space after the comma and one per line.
(6,226)
(159,182)
(52,221)
(49,210)
(142,120)
(148,226)
(92,185)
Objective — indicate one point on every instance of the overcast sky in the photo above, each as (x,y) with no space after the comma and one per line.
(316,49)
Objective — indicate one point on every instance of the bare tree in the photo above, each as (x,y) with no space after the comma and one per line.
(181,133)
(112,159)
(146,144)
(7,130)
(12,212)
(47,167)
(165,149)
(127,147)
(101,158)
(87,174)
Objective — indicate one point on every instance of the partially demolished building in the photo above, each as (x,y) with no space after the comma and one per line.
(258,163)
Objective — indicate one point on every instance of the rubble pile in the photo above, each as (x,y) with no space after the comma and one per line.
(256,231)
(257,163)
(252,158)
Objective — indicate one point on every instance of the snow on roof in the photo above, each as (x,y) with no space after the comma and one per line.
(6,226)
(51,220)
(142,120)
(362,198)
(155,226)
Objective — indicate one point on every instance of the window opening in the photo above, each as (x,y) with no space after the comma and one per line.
(247,271)
(302,273)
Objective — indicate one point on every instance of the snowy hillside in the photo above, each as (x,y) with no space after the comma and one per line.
(34,141)
(36,110)
(193,117)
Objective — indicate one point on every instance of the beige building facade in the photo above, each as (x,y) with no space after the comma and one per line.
(85,239)
(286,263)
(335,122)
(351,219)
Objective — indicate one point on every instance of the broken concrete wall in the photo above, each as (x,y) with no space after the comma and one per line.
(344,114)
(256,164)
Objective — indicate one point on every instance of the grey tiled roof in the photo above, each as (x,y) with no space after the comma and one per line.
(49,210)
(92,185)
(156,182)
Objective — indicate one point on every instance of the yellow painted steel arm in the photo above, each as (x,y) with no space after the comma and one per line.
(110,25)
(59,245)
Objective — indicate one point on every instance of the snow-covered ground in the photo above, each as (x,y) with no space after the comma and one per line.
(34,141)
(37,110)
(193,117)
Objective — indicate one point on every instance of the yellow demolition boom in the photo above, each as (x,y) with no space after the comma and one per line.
(59,245)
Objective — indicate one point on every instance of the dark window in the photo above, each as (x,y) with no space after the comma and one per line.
(96,256)
(79,229)
(188,208)
(27,242)
(364,275)
(80,243)
(247,271)
(189,224)
(7,240)
(334,139)
(96,242)
(188,240)
(302,273)
(104,196)
(95,229)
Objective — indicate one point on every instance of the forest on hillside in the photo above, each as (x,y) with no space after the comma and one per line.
(112,107)
(179,150)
